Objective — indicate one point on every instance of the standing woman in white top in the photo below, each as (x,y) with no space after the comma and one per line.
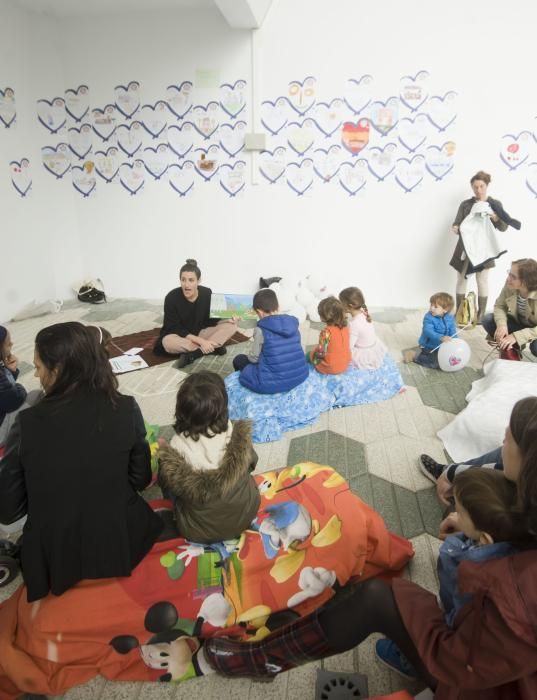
(367,350)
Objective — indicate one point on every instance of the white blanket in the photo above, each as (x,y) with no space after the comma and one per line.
(479,236)
(480,427)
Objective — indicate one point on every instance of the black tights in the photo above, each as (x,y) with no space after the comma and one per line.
(357,611)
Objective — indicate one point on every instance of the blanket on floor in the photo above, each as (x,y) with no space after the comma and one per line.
(310,536)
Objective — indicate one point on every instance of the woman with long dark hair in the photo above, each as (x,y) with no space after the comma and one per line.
(74,464)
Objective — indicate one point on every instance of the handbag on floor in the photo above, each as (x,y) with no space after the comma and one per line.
(92,292)
(467,311)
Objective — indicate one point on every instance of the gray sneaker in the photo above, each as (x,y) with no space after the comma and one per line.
(430,467)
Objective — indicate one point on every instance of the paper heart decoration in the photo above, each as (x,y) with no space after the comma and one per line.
(231,138)
(384,115)
(104,121)
(381,162)
(355,136)
(206,119)
(275,115)
(77,102)
(409,172)
(154,118)
(206,163)
(531,178)
(56,159)
(107,164)
(301,94)
(301,137)
(52,114)
(8,110)
(441,110)
(232,98)
(21,176)
(84,182)
(181,177)
(327,161)
(232,177)
(179,98)
(132,176)
(80,140)
(272,164)
(328,116)
(358,93)
(300,176)
(515,149)
(439,159)
(353,176)
(181,138)
(129,138)
(413,132)
(156,160)
(128,98)
(413,90)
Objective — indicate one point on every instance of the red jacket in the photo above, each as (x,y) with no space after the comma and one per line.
(491,653)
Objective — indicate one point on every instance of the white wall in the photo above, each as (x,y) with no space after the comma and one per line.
(39,236)
(396,246)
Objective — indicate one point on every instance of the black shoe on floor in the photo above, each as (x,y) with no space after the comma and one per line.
(430,467)
(184,359)
(222,350)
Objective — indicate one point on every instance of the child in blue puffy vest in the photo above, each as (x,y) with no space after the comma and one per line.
(438,327)
(276,362)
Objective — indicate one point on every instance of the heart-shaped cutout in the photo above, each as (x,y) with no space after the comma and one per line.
(80,140)
(104,121)
(181,138)
(156,160)
(441,110)
(206,163)
(275,115)
(358,93)
(21,176)
(439,160)
(355,135)
(129,138)
(8,109)
(409,172)
(327,161)
(328,116)
(206,119)
(384,115)
(353,176)
(132,176)
(413,90)
(515,149)
(301,94)
(84,180)
(232,177)
(301,137)
(179,99)
(56,159)
(413,132)
(381,161)
(299,176)
(154,118)
(51,114)
(231,138)
(233,98)
(272,164)
(531,178)
(77,102)
(107,164)
(181,177)
(128,98)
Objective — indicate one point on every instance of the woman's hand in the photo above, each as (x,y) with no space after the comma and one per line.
(494,217)
(444,488)
(449,525)
(501,332)
(206,346)
(455,230)
(507,342)
(11,363)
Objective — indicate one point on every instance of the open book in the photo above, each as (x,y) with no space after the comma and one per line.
(127,363)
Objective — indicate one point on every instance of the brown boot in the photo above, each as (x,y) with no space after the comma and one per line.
(481,307)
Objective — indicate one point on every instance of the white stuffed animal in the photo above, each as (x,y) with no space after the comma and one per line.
(302,300)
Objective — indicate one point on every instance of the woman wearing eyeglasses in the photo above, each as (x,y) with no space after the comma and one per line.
(514,321)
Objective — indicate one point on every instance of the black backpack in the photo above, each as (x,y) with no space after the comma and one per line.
(92,292)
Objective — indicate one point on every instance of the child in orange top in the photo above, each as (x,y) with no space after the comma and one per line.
(332,355)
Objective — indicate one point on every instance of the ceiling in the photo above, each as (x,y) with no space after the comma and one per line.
(84,8)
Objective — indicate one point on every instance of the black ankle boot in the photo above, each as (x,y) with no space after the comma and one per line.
(187,358)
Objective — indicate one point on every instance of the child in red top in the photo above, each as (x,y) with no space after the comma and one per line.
(332,355)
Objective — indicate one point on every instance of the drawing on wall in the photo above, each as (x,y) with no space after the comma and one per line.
(352,176)
(413,131)
(327,161)
(21,176)
(300,176)
(51,114)
(77,102)
(531,178)
(272,164)
(384,116)
(181,177)
(413,91)
(381,162)
(232,177)
(442,110)
(275,115)
(515,149)
(56,159)
(233,98)
(8,109)
(205,119)
(128,98)
(206,163)
(129,138)
(355,135)
(104,122)
(132,176)
(358,93)
(301,136)
(179,99)
(154,118)
(84,178)
(107,164)
(231,138)
(328,116)
(156,160)
(80,140)
(301,94)
(439,159)
(409,172)
(181,138)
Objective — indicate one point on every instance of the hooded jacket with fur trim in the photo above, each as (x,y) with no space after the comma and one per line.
(216,504)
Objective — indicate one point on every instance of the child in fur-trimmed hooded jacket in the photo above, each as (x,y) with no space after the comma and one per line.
(206,469)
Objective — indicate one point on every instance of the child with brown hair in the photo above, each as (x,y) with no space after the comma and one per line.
(438,327)
(368,352)
(332,354)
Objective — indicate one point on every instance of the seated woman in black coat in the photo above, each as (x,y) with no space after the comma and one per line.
(74,464)
(188,330)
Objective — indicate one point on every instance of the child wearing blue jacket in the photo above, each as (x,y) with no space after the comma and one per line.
(438,327)
(276,362)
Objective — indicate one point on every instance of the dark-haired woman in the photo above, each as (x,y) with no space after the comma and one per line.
(514,321)
(74,464)
(187,329)
(490,653)
(500,220)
